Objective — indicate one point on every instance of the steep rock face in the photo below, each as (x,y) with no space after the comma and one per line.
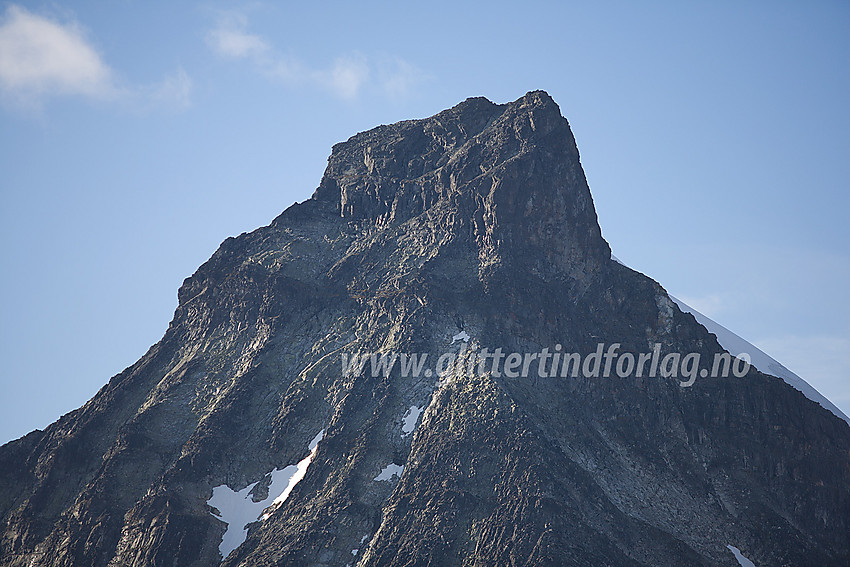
(476,222)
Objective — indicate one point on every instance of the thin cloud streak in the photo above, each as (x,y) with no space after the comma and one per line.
(398,77)
(232,40)
(348,76)
(175,90)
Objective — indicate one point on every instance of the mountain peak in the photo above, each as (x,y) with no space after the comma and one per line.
(443,240)
(511,172)
(416,159)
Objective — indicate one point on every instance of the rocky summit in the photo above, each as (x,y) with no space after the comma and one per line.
(259,432)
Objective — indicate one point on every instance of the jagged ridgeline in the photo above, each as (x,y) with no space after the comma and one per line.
(248,435)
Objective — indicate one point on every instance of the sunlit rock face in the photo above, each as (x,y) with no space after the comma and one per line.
(473,229)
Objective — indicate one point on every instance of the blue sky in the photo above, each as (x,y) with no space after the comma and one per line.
(136,136)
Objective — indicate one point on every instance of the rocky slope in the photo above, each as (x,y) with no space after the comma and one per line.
(478,223)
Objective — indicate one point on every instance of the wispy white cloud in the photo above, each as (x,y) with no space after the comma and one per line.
(175,90)
(231,38)
(42,57)
(347,77)
(39,56)
(398,77)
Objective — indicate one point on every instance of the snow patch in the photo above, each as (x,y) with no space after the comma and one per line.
(758,358)
(742,561)
(294,476)
(237,509)
(389,471)
(410,419)
(461,336)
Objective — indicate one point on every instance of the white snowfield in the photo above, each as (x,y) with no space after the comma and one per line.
(461,336)
(735,345)
(390,471)
(408,422)
(742,561)
(238,509)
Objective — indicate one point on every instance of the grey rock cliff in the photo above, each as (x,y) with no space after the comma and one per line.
(476,220)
